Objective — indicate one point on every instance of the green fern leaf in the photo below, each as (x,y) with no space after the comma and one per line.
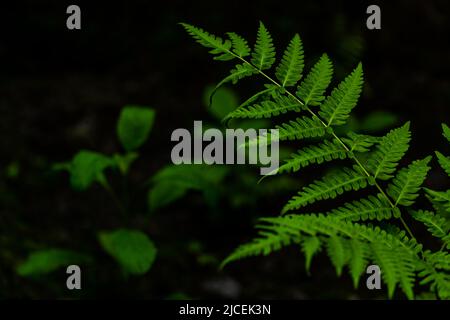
(310,246)
(359,142)
(328,188)
(264,245)
(219,47)
(367,209)
(406,271)
(263,55)
(358,260)
(446,131)
(390,150)
(444,162)
(336,249)
(267,108)
(239,45)
(290,69)
(387,262)
(439,259)
(440,197)
(327,151)
(405,186)
(337,107)
(397,267)
(439,280)
(301,128)
(438,226)
(312,89)
(239,72)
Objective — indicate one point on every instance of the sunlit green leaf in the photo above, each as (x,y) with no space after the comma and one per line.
(132,249)
(134,126)
(46,261)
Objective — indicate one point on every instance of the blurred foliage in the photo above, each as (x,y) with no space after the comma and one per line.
(132,249)
(45,261)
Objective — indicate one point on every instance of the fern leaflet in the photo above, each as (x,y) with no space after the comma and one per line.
(444,162)
(405,186)
(327,151)
(337,107)
(312,89)
(329,187)
(391,149)
(239,45)
(289,71)
(372,208)
(263,55)
(438,226)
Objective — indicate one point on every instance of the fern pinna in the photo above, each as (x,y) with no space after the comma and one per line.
(348,234)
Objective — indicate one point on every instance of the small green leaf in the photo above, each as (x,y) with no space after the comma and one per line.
(87,167)
(134,126)
(132,249)
(182,178)
(165,193)
(45,261)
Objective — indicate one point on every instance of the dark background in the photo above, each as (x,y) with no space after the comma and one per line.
(62,90)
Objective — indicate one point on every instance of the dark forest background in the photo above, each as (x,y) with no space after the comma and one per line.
(62,91)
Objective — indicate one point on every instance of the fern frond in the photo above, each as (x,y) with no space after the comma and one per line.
(350,246)
(390,150)
(219,47)
(359,142)
(372,208)
(263,55)
(327,151)
(328,188)
(312,89)
(290,69)
(405,186)
(239,45)
(267,108)
(438,226)
(444,162)
(337,107)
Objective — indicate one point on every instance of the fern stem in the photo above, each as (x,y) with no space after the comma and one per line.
(406,227)
(336,137)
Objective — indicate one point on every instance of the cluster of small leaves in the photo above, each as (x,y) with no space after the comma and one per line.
(349,234)
(132,249)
